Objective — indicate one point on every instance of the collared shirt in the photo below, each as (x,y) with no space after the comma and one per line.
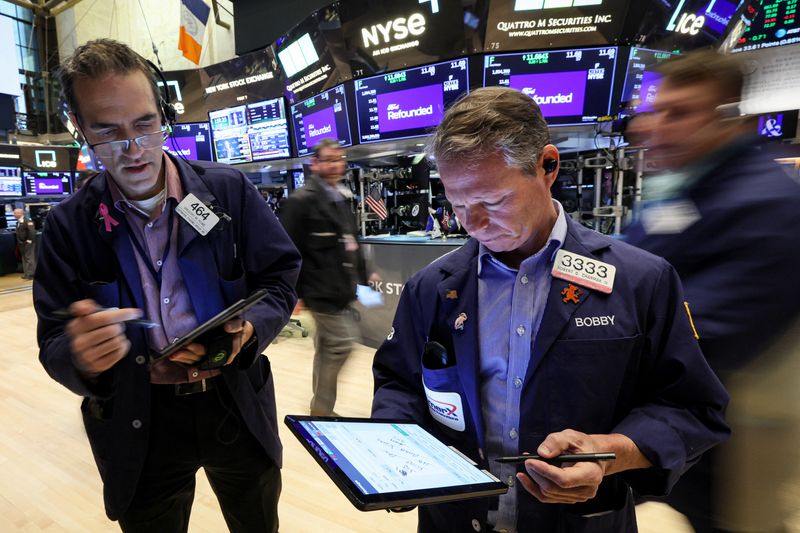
(168,304)
(511,303)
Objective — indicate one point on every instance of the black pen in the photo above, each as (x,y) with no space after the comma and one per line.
(558,459)
(65,314)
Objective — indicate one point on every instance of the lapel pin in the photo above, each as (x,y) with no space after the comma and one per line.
(452,295)
(459,325)
(571,293)
(108,220)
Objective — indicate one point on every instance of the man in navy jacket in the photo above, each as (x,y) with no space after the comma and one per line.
(725,215)
(121,247)
(560,340)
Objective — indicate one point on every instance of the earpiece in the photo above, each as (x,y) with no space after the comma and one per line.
(549,165)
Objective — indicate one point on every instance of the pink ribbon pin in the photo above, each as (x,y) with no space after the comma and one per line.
(107,219)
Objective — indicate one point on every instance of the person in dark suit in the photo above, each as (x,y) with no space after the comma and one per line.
(322,224)
(177,242)
(26,241)
(558,340)
(725,215)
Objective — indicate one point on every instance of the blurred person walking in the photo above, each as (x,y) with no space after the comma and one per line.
(725,214)
(26,241)
(319,220)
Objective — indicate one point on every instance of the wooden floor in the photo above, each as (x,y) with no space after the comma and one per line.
(48,480)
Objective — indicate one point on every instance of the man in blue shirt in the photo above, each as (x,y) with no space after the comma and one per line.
(560,340)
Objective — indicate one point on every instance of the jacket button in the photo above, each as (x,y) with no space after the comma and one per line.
(476,525)
(137,424)
(140,360)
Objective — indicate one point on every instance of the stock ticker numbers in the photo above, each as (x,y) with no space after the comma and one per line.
(777,24)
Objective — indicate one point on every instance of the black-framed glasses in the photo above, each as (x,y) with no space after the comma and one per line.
(332,159)
(148,141)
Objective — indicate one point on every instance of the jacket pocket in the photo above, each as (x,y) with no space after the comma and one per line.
(98,428)
(585,379)
(617,515)
(105,293)
(322,240)
(447,404)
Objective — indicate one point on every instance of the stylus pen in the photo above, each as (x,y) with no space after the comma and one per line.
(558,459)
(65,314)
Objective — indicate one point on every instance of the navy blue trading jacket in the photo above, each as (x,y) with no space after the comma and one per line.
(79,259)
(642,376)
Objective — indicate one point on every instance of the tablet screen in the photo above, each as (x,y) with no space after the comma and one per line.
(392,460)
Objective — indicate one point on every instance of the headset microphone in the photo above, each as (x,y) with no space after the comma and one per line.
(168,112)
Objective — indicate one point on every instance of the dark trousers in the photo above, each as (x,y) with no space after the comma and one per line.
(202,430)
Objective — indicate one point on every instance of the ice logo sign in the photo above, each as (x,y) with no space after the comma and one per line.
(558,94)
(421,107)
(45,158)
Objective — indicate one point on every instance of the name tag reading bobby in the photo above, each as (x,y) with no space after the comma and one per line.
(584,271)
(197,214)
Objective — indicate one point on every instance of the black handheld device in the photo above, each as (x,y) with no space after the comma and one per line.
(558,459)
(435,356)
(211,334)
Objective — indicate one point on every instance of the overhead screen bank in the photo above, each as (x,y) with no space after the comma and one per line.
(378,75)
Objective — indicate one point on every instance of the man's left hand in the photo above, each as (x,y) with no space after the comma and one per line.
(241,330)
(571,482)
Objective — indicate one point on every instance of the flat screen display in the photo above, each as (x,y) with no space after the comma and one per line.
(190,141)
(408,103)
(324,116)
(539,24)
(776,24)
(85,160)
(383,464)
(570,86)
(250,132)
(781,125)
(313,56)
(298,179)
(47,183)
(10,219)
(10,182)
(641,80)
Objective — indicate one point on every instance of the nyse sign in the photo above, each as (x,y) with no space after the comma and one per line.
(397,29)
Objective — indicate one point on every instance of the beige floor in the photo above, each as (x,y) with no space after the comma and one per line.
(48,481)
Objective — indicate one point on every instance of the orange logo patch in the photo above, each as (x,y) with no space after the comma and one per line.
(571,293)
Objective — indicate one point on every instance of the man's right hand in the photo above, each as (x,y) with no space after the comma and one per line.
(97,337)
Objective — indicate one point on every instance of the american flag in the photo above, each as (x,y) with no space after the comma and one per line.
(374,201)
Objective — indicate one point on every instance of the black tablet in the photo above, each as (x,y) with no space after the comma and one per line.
(383,464)
(233,311)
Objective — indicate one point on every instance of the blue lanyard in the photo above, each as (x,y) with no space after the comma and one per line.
(146,258)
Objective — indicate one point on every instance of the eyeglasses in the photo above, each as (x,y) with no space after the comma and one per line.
(332,160)
(147,141)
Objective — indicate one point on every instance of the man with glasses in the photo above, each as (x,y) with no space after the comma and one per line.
(552,339)
(175,242)
(321,223)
